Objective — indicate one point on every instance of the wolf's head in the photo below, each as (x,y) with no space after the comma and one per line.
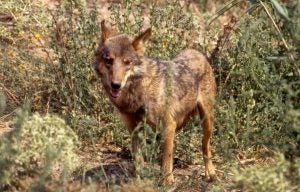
(118,58)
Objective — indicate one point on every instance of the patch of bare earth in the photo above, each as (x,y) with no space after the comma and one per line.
(111,168)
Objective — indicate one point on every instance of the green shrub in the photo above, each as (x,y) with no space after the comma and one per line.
(279,176)
(173,28)
(257,87)
(21,68)
(18,26)
(36,148)
(73,40)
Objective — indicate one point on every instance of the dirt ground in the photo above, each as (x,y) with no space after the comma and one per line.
(119,165)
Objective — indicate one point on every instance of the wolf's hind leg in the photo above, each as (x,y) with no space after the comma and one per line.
(167,149)
(207,117)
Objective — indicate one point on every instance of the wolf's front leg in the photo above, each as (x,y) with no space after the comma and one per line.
(136,149)
(132,123)
(167,149)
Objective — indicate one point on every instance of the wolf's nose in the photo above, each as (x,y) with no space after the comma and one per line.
(115,85)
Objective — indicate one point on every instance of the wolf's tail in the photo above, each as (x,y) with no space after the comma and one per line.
(223,35)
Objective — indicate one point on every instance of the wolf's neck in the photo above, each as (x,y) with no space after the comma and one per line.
(139,86)
(150,72)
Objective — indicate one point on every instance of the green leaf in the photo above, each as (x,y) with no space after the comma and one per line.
(2,102)
(253,1)
(282,11)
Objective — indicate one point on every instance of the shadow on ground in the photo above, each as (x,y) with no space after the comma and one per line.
(118,168)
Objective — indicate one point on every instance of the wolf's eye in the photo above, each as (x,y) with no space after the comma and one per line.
(126,61)
(108,60)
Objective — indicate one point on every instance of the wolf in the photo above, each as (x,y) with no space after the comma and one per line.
(146,89)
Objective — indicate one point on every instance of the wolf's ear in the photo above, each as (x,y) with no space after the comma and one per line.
(141,40)
(106,31)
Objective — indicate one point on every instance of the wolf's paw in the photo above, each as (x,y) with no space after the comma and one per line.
(210,173)
(167,180)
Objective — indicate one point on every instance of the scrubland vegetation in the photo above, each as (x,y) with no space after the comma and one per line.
(59,132)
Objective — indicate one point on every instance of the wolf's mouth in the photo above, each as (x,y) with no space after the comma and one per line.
(115,93)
